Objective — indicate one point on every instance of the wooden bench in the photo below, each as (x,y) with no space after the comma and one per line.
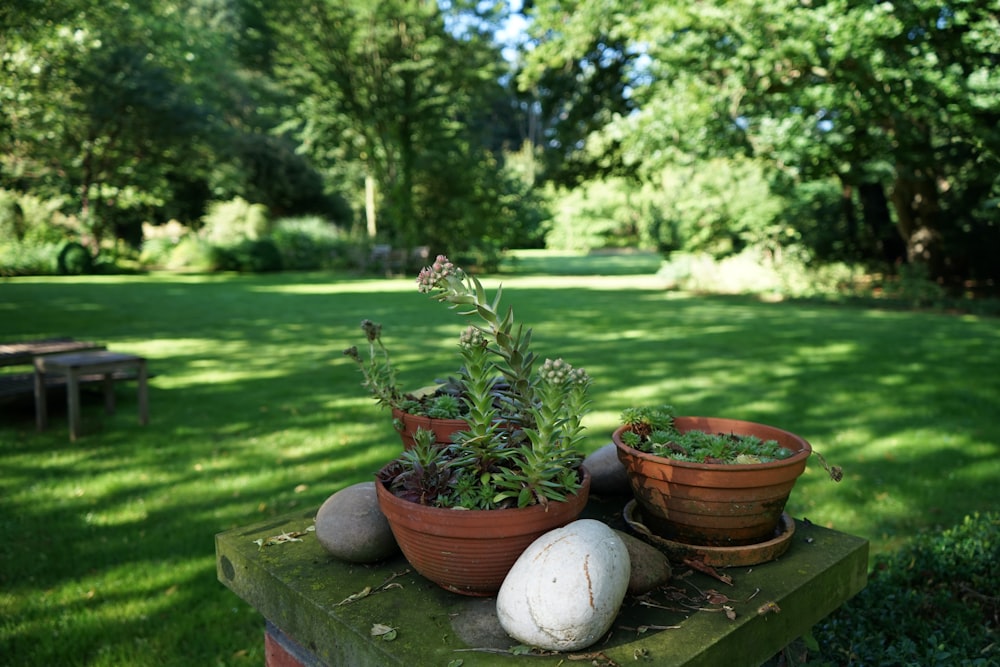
(23,353)
(319,611)
(75,366)
(22,385)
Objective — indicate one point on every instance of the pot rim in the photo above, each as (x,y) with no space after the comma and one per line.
(805,449)
(397,413)
(383,490)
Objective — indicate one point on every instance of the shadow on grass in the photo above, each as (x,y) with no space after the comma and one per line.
(255,413)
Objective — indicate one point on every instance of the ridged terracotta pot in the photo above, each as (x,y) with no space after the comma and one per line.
(443,428)
(712,504)
(471,551)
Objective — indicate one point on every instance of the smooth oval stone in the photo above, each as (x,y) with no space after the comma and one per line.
(565,590)
(607,474)
(350,525)
(650,566)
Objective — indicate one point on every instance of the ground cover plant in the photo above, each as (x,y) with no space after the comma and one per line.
(108,556)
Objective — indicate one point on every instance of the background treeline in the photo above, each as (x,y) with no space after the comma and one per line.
(252,135)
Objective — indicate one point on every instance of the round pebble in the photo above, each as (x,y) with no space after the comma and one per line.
(650,566)
(607,474)
(351,526)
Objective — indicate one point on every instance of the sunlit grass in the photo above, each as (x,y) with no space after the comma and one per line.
(108,556)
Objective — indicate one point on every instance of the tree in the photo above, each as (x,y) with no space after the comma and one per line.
(578,79)
(98,111)
(387,85)
(897,101)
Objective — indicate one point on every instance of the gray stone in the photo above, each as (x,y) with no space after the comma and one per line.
(478,625)
(351,526)
(650,566)
(607,474)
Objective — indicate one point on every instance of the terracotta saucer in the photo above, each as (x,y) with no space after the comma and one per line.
(750,554)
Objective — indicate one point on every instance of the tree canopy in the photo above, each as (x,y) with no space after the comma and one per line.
(897,101)
(866,131)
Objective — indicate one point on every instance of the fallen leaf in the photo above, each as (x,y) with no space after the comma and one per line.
(384,632)
(702,567)
(284,538)
(354,597)
(768,608)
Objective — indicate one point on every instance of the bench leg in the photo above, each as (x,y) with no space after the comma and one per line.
(41,405)
(108,384)
(141,377)
(73,403)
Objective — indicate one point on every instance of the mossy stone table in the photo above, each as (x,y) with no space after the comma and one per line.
(323,612)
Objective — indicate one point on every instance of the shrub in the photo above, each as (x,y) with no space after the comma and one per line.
(934,602)
(228,223)
(75,260)
(307,243)
(29,259)
(250,256)
(193,254)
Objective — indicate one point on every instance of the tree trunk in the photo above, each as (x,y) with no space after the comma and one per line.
(370,206)
(915,199)
(888,243)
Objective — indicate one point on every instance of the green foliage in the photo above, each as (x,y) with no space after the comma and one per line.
(233,221)
(32,235)
(786,273)
(915,287)
(276,175)
(74,260)
(893,102)
(652,430)
(309,243)
(934,602)
(445,406)
(600,214)
(389,98)
(237,235)
(192,253)
(12,223)
(717,207)
(249,256)
(27,259)
(422,474)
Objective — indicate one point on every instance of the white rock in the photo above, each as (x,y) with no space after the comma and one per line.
(565,590)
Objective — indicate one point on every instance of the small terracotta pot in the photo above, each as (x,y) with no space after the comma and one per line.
(712,504)
(471,551)
(443,428)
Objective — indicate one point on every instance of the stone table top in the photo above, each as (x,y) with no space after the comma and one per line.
(329,607)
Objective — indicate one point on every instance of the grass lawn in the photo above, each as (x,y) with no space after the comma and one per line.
(107,552)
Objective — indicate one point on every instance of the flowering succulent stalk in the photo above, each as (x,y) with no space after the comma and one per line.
(547,407)
(448,283)
(477,380)
(561,393)
(380,376)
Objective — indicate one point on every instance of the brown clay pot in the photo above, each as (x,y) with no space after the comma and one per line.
(712,504)
(443,428)
(471,551)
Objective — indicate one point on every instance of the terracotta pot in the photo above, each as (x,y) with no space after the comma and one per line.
(713,504)
(443,428)
(471,551)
